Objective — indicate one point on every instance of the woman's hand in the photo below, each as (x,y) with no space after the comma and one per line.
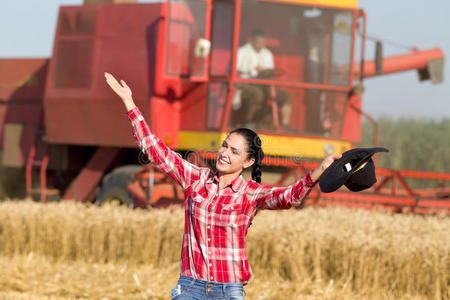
(315,175)
(122,90)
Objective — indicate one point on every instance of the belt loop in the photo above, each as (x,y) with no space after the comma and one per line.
(192,283)
(224,290)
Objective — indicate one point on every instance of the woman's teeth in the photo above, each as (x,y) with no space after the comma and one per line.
(224,161)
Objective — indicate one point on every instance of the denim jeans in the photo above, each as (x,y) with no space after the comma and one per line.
(189,288)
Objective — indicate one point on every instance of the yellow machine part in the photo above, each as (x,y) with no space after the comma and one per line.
(331,3)
(274,145)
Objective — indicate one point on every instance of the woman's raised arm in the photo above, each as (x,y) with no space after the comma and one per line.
(162,156)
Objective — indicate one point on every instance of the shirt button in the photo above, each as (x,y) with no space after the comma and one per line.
(212,278)
(209,239)
(210,265)
(209,252)
(209,227)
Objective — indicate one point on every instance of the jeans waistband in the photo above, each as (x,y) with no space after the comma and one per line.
(198,283)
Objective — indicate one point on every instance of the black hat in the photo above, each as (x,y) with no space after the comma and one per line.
(355,169)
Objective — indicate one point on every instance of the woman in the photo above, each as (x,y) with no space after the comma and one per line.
(219,207)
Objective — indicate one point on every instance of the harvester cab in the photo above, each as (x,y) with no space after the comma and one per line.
(300,88)
(296,86)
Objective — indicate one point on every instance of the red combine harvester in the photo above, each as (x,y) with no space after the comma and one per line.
(60,120)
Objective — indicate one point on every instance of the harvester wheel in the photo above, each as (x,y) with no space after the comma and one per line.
(114,186)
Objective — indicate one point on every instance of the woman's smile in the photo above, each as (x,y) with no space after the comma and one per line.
(224,161)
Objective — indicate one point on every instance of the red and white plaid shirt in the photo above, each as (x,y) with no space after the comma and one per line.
(216,220)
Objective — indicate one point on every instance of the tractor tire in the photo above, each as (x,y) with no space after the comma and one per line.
(114,186)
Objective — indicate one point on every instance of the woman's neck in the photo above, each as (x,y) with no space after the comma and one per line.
(227,179)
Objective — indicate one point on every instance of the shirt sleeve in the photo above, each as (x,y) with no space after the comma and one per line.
(158,153)
(269,197)
(268,60)
(241,63)
(245,63)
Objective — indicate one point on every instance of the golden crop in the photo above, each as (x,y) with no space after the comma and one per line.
(66,250)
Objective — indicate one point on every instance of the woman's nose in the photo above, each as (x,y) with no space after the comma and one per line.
(225,152)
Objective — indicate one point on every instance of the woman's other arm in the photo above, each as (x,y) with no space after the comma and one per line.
(268,197)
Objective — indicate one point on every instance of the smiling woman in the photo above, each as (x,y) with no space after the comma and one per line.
(219,206)
(231,159)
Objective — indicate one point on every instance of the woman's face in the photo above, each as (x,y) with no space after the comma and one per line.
(232,155)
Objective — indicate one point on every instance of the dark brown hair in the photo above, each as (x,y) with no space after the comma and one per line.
(254,150)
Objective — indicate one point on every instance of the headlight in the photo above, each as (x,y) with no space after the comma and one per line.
(328,149)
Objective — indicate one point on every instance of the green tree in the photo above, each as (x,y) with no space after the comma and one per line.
(414,144)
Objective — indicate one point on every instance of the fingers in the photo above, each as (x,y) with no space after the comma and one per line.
(124,84)
(111,80)
(108,76)
(118,88)
(329,160)
(333,158)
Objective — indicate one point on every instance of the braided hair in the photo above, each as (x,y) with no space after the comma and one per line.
(254,150)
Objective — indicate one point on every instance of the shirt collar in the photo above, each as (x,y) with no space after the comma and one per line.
(250,46)
(236,184)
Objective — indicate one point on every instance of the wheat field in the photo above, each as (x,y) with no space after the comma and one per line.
(74,251)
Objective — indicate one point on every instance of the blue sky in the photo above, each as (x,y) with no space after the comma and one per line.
(27,29)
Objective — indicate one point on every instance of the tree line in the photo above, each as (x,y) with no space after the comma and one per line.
(414,144)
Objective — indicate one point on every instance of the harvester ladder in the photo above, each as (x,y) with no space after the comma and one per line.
(272,102)
(41,163)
